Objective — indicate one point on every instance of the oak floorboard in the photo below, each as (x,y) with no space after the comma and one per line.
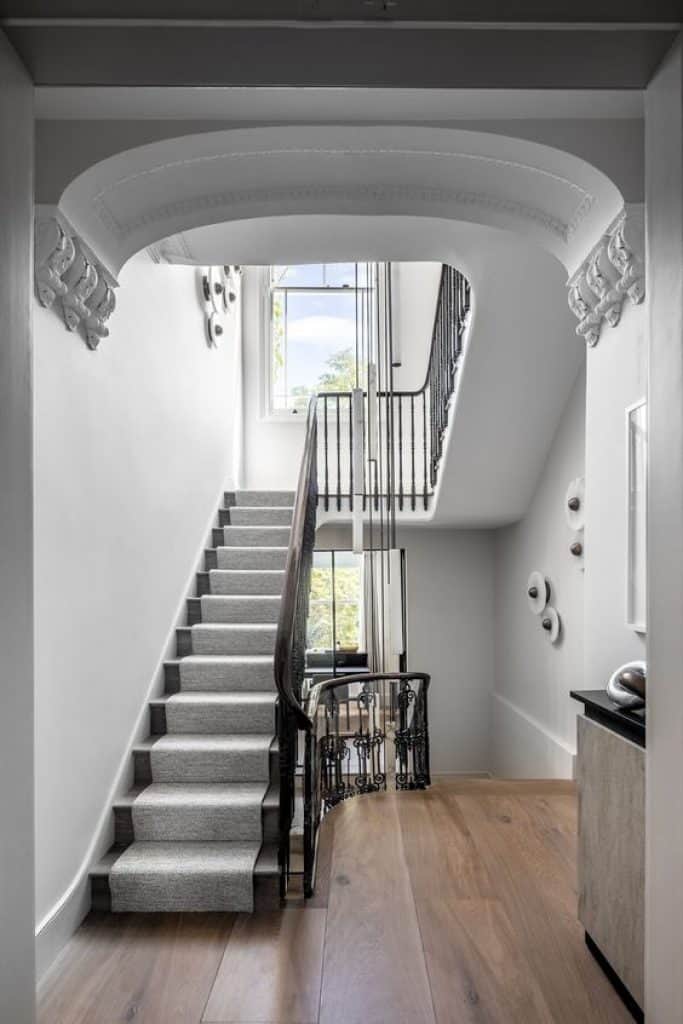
(373,969)
(454,906)
(538,892)
(271,970)
(477,972)
(147,968)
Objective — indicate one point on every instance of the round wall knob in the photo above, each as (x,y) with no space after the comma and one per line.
(574,508)
(552,624)
(214,330)
(537,592)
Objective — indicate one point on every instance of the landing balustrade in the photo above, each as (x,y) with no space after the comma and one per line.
(412,423)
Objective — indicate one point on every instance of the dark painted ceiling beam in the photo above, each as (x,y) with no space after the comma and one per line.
(336,43)
(418,58)
(500,11)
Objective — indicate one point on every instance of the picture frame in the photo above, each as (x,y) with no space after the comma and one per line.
(636,491)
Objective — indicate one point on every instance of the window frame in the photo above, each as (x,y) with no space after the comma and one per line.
(268,412)
(333,602)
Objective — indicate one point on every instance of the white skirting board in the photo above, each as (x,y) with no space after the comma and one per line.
(525,749)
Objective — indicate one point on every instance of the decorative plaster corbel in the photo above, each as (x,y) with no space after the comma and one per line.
(81,281)
(101,305)
(65,268)
(55,252)
(612,272)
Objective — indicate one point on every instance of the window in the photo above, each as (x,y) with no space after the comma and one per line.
(314,310)
(336,602)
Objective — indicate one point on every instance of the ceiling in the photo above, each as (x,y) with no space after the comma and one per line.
(333,105)
(380,43)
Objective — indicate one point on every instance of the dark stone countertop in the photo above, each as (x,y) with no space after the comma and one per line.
(599,708)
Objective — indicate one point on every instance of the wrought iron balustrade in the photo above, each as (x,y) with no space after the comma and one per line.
(413,422)
(368,732)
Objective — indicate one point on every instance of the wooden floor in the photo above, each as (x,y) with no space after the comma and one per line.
(456,906)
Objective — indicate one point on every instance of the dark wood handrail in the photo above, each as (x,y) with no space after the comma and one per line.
(286,655)
(318,689)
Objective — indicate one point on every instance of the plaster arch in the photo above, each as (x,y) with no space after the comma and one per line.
(543,195)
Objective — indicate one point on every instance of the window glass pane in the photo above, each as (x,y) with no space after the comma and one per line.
(298,276)
(343,275)
(313,345)
(348,582)
(319,632)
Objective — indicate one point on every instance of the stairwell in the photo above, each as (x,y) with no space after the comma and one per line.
(199,830)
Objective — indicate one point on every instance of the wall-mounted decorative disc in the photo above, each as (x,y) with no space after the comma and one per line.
(230,290)
(552,624)
(537,592)
(575,504)
(214,329)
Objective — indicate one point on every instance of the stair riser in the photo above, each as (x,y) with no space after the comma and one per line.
(196,678)
(207,720)
(245,609)
(247,558)
(210,767)
(224,825)
(259,517)
(235,641)
(215,768)
(196,824)
(221,582)
(266,891)
(231,609)
(253,499)
(252,536)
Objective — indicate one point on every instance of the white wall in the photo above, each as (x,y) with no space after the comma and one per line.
(533,717)
(449,611)
(450,588)
(132,451)
(664,794)
(272,448)
(616,378)
(16,543)
(415,290)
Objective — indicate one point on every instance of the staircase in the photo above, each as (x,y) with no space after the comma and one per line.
(199,830)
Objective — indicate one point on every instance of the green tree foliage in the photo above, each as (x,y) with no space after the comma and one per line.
(348,604)
(341,372)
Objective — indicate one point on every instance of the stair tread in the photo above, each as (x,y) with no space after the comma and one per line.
(249,572)
(173,856)
(224,627)
(196,794)
(207,741)
(224,659)
(255,547)
(225,698)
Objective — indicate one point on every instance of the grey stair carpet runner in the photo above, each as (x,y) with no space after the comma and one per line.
(190,835)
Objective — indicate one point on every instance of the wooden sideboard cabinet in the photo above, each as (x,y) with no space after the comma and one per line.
(611,853)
